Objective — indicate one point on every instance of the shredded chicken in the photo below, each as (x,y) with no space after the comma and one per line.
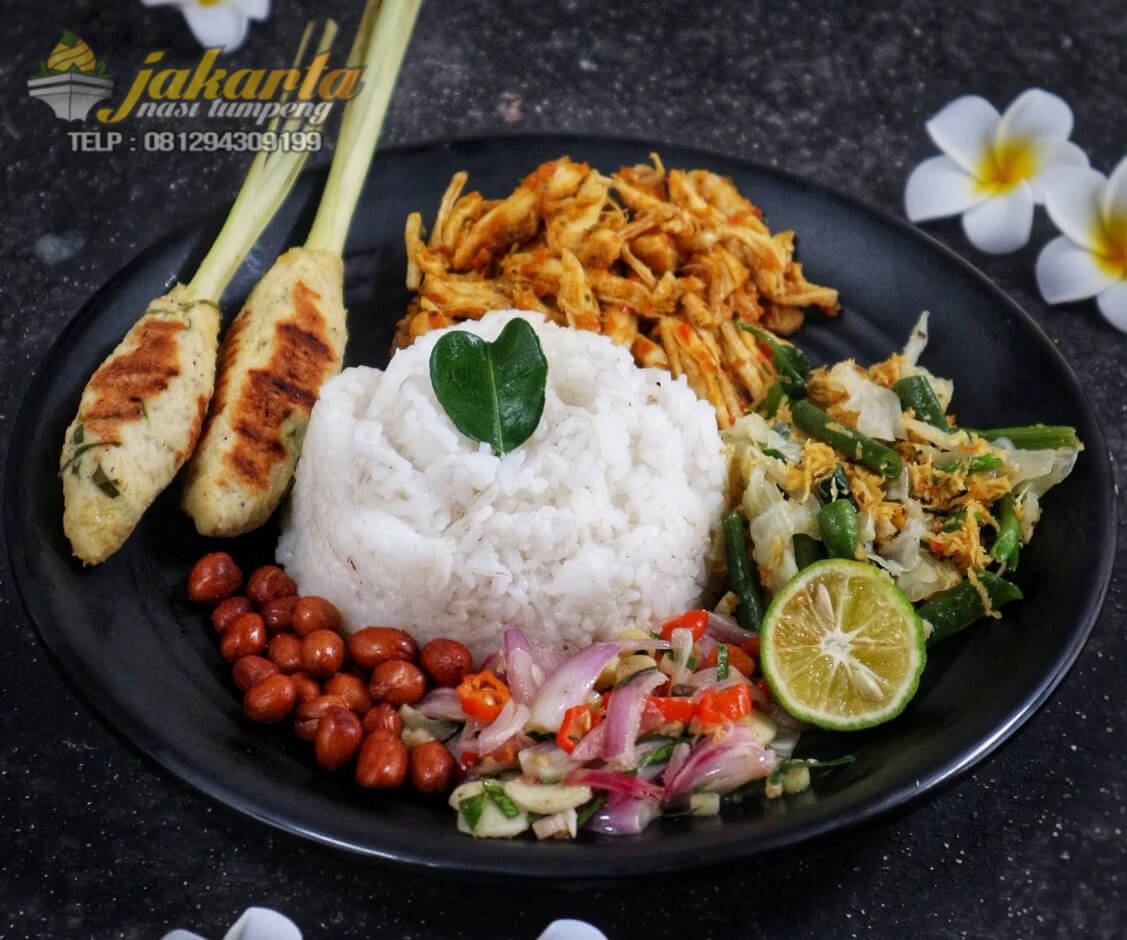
(662,263)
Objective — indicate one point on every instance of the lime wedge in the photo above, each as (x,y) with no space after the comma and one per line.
(841,646)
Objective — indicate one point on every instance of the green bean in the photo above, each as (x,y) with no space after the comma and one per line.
(807,550)
(979,464)
(1035,436)
(845,440)
(957,608)
(985,462)
(916,394)
(838,523)
(744,583)
(1007,546)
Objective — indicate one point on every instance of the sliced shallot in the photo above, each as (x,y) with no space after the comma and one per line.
(569,685)
(443,704)
(615,782)
(510,721)
(624,718)
(726,630)
(623,815)
(719,764)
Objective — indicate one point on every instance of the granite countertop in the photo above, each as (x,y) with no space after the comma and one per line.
(104,843)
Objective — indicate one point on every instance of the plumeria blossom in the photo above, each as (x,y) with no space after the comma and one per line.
(218,24)
(1090,258)
(993,168)
(568,929)
(261,923)
(257,923)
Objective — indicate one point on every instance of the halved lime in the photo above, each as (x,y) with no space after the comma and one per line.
(841,646)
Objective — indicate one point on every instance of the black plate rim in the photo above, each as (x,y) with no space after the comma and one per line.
(875,808)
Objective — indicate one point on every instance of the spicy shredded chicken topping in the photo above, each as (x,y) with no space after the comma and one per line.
(662,263)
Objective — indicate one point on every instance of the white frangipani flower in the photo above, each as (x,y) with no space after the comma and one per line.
(257,923)
(1090,258)
(218,24)
(993,166)
(569,929)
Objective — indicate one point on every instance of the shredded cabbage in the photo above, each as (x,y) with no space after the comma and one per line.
(928,577)
(917,342)
(773,522)
(901,553)
(877,407)
(1038,469)
(944,388)
(1029,508)
(753,429)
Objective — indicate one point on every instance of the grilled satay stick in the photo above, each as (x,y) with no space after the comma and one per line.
(290,336)
(140,414)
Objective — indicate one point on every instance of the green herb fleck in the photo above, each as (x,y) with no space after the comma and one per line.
(492,391)
(659,755)
(722,661)
(500,799)
(588,810)
(835,486)
(791,364)
(471,808)
(771,452)
(790,763)
(104,483)
(81,449)
(773,399)
(954,522)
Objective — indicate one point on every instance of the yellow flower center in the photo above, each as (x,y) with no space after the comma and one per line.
(1005,165)
(1109,244)
(210,3)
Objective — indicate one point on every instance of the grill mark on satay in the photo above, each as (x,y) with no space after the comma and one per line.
(124,383)
(194,432)
(228,353)
(299,362)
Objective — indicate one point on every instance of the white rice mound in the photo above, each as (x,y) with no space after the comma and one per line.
(598,523)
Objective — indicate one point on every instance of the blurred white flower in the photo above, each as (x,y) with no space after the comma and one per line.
(1090,258)
(218,24)
(261,923)
(257,923)
(571,930)
(993,167)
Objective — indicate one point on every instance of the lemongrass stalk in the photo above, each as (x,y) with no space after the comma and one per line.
(268,181)
(380,46)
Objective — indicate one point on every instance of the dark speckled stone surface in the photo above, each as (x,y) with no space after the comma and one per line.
(101,843)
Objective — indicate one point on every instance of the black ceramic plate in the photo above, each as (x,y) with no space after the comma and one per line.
(128,641)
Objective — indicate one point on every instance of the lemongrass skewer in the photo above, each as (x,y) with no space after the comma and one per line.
(290,337)
(140,415)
